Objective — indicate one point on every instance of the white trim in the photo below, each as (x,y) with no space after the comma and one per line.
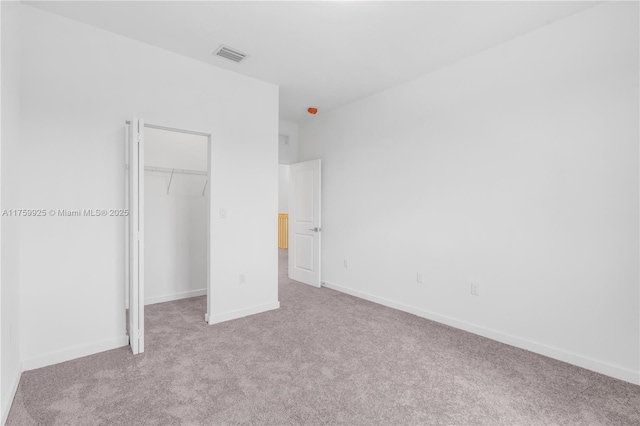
(73,353)
(240,313)
(519,342)
(6,405)
(175,296)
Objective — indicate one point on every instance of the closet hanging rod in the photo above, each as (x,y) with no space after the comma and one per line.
(170,170)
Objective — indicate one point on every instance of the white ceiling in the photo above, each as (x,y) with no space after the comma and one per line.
(325,53)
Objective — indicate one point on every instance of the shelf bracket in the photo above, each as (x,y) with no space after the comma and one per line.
(170,179)
(205,187)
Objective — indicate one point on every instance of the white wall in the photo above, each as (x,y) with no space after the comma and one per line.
(169,149)
(175,221)
(10,288)
(80,84)
(288,154)
(283,188)
(175,237)
(517,169)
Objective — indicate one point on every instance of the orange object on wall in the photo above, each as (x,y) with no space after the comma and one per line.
(313,111)
(283,230)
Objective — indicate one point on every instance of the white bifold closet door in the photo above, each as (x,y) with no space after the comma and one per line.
(136,235)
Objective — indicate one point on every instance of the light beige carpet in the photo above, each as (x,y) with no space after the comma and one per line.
(322,358)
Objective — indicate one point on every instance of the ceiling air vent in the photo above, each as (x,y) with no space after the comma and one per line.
(231,54)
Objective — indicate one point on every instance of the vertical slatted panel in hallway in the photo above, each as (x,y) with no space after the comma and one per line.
(283,230)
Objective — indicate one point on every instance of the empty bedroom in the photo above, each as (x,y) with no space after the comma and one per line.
(320,212)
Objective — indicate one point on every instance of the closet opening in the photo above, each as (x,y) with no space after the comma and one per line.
(168,230)
(175,216)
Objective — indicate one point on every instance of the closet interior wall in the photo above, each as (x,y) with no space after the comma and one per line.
(175,215)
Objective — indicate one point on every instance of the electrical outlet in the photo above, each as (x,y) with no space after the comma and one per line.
(242,279)
(475,289)
(346,263)
(223,213)
(419,277)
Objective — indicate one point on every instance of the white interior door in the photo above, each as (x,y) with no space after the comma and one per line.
(136,235)
(304,222)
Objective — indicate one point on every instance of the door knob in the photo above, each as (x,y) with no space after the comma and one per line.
(316,229)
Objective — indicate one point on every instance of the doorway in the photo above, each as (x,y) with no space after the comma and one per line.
(168,193)
(175,177)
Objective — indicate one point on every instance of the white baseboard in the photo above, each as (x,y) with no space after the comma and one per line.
(540,348)
(227,316)
(73,353)
(6,403)
(175,296)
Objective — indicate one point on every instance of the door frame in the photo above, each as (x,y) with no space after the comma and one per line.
(207,194)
